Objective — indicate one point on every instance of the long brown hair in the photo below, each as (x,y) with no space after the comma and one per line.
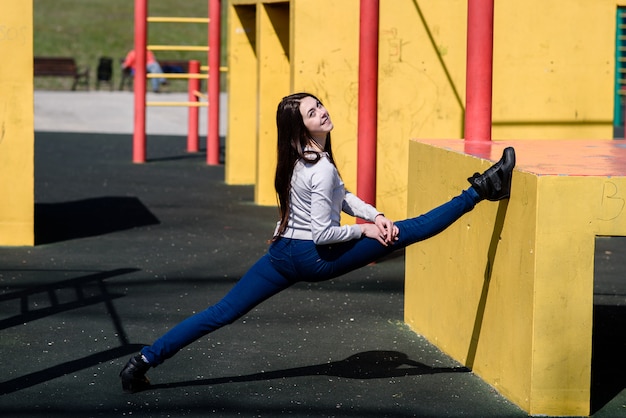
(293,137)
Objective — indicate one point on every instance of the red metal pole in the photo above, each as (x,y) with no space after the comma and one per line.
(368,100)
(213,134)
(479,70)
(193,86)
(139,132)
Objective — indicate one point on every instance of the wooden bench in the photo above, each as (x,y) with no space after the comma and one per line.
(168,66)
(61,67)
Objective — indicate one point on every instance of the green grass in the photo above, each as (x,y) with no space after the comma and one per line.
(89,29)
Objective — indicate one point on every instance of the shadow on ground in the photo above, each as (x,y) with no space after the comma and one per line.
(55,222)
(608,376)
(366,365)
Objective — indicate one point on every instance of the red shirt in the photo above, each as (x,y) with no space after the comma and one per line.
(129,61)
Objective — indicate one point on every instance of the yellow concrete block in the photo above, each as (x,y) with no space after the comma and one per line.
(508,289)
(457,291)
(16,124)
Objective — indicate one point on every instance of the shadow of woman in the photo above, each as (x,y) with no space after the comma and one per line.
(366,365)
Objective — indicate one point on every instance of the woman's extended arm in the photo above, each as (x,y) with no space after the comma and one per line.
(382,228)
(327,198)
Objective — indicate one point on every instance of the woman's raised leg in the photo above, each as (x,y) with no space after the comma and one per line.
(494,184)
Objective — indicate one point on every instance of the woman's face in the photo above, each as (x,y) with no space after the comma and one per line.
(315,117)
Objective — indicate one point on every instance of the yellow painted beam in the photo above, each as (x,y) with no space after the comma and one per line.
(165,19)
(205,68)
(198,48)
(177,75)
(177,104)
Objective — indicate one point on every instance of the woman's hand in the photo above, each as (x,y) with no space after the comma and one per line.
(383,230)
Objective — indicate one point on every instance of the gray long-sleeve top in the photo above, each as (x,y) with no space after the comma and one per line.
(318,197)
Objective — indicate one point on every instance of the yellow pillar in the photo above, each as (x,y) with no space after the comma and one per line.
(273,73)
(240,166)
(16,124)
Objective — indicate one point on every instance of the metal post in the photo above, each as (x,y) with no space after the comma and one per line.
(139,132)
(213,134)
(479,70)
(193,87)
(368,100)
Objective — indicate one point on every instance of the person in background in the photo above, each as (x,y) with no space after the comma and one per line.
(152,66)
(309,243)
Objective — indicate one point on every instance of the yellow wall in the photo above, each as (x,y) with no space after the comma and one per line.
(553,69)
(552,82)
(325,63)
(16,124)
(421,86)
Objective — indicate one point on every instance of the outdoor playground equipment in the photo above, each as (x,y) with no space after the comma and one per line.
(193,75)
(508,290)
(17,118)
(556,89)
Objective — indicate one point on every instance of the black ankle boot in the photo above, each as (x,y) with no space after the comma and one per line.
(495,183)
(133,375)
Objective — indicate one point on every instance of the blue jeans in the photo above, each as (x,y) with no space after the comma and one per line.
(289,261)
(155,68)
